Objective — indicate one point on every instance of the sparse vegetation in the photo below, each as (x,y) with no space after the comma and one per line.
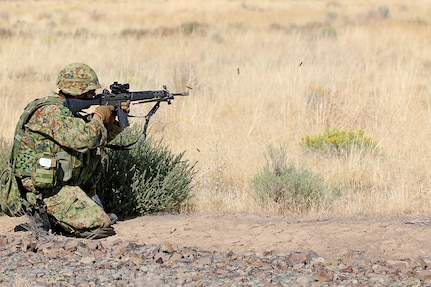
(250,66)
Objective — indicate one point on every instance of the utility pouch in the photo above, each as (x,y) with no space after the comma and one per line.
(44,173)
(65,166)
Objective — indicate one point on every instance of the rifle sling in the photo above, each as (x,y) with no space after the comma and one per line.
(144,131)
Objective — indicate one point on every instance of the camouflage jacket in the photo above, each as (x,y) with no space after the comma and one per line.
(54,129)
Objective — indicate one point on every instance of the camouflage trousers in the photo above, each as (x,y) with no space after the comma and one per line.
(72,206)
(74,210)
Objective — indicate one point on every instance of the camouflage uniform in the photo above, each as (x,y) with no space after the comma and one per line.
(59,155)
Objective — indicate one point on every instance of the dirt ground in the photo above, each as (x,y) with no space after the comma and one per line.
(378,238)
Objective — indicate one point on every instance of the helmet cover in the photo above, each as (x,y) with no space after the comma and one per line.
(77,79)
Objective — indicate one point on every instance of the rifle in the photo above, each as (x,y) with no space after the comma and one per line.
(120,93)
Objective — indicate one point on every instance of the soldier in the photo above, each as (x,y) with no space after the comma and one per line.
(58,158)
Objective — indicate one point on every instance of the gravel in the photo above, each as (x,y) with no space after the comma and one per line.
(49,260)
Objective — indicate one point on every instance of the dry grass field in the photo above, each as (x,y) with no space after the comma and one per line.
(253,66)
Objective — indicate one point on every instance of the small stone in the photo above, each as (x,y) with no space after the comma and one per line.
(419,261)
(319,261)
(204,261)
(347,269)
(3,241)
(425,275)
(71,245)
(176,256)
(94,245)
(86,260)
(166,247)
(297,257)
(29,246)
(324,276)
(230,254)
(396,264)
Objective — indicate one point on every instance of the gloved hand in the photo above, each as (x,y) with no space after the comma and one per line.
(104,113)
(125,106)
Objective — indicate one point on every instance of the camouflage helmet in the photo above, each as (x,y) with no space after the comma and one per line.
(76,79)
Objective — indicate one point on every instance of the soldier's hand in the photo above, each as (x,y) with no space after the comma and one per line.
(104,113)
(125,106)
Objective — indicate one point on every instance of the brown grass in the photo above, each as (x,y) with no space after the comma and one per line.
(251,65)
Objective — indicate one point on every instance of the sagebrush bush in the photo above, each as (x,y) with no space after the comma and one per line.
(340,142)
(384,11)
(146,179)
(288,188)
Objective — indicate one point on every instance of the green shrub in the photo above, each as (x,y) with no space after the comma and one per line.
(383,11)
(340,142)
(331,16)
(145,179)
(328,32)
(290,189)
(193,27)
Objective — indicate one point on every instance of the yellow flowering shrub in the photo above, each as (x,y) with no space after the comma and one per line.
(336,141)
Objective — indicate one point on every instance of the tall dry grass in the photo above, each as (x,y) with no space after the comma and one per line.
(252,66)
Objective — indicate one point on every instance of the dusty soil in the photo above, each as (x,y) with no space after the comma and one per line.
(377,238)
